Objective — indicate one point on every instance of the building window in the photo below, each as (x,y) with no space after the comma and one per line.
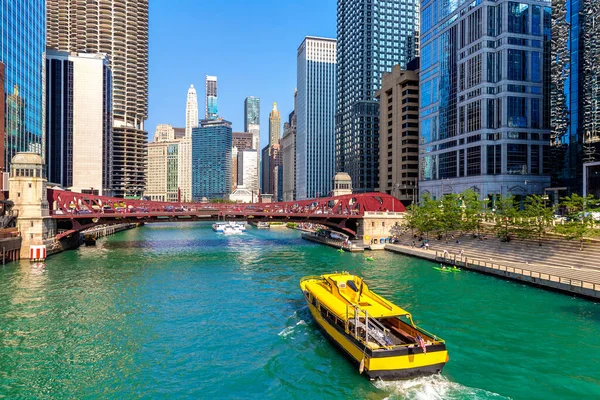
(517,65)
(474,161)
(517,112)
(518,16)
(516,159)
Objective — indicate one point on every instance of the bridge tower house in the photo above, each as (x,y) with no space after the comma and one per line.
(27,190)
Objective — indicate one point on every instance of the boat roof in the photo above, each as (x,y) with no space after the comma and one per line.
(337,291)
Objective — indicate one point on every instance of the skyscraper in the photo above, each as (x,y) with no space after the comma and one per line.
(252,119)
(211,160)
(212,109)
(575,90)
(372,37)
(482,119)
(315,115)
(120,30)
(399,133)
(191,111)
(185,146)
(22,46)
(79,122)
(274,126)
(265,171)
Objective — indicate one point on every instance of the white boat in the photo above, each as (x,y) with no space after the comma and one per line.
(219,226)
(232,230)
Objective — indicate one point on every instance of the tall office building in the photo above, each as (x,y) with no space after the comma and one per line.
(247,170)
(191,111)
(2,122)
(265,171)
(252,119)
(185,146)
(240,141)
(399,133)
(212,109)
(79,122)
(288,161)
(162,171)
(274,126)
(22,46)
(211,160)
(120,30)
(164,133)
(575,90)
(483,124)
(315,135)
(372,37)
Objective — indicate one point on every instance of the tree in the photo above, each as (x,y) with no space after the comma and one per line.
(537,218)
(427,215)
(506,218)
(472,215)
(450,214)
(580,218)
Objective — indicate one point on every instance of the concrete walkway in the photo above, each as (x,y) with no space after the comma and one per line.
(551,265)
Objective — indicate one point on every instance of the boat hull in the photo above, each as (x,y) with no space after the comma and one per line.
(404,363)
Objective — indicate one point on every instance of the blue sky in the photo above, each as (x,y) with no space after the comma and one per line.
(249,45)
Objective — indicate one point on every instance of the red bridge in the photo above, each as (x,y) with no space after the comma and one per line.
(75,212)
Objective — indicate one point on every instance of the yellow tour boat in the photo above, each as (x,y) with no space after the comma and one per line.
(376,334)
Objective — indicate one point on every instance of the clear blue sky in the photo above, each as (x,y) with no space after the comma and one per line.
(249,45)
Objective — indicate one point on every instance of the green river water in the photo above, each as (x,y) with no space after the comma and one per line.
(178,311)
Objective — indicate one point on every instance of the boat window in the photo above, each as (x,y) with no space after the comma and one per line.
(352,285)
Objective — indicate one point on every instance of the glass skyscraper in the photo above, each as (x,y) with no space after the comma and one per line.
(575,90)
(22,46)
(212,108)
(211,160)
(372,37)
(252,119)
(315,116)
(484,118)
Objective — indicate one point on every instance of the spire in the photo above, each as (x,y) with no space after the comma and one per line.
(275,106)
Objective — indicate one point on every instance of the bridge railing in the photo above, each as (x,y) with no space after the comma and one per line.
(77,204)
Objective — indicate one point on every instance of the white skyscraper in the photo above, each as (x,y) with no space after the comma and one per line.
(185,146)
(191,111)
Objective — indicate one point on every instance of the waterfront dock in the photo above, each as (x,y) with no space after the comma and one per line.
(337,243)
(557,265)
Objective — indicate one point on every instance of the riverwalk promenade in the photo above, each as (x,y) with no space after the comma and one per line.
(557,264)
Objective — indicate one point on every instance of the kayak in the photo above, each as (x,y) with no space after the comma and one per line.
(369,259)
(448,269)
(340,250)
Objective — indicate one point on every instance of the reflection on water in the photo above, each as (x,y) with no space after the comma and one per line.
(175,310)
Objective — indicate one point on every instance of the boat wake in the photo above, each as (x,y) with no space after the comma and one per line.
(433,388)
(295,320)
(290,329)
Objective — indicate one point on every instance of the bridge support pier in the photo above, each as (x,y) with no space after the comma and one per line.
(27,190)
(374,228)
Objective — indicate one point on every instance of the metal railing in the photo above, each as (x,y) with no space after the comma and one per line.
(472,262)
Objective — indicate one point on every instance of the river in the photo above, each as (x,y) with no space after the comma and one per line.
(177,311)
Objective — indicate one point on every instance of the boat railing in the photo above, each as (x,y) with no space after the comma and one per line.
(375,330)
(311,278)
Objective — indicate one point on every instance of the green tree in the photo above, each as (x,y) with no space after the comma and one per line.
(472,211)
(536,218)
(580,222)
(427,216)
(506,215)
(450,214)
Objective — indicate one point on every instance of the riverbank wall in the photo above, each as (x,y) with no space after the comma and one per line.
(578,282)
(336,243)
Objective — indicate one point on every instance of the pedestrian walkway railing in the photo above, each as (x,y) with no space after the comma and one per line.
(472,263)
